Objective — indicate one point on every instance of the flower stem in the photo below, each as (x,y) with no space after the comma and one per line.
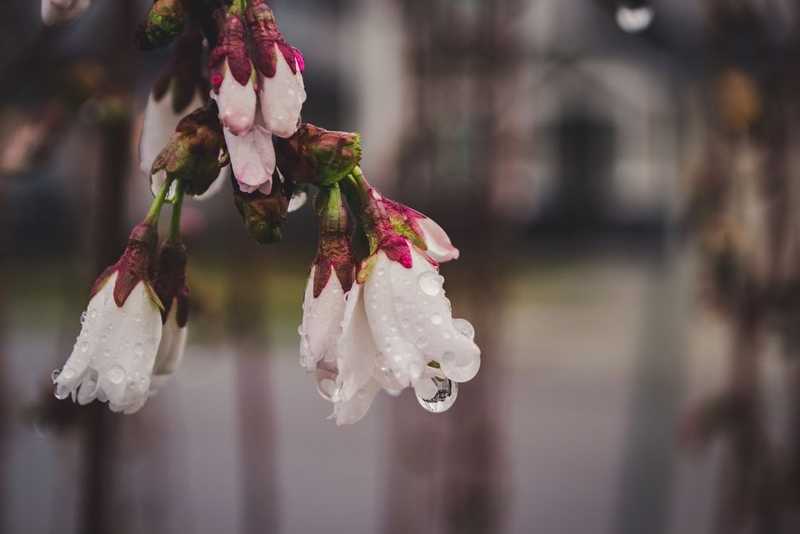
(175,222)
(157,204)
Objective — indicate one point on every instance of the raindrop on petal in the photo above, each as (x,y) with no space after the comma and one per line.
(116,375)
(444,398)
(436,319)
(430,283)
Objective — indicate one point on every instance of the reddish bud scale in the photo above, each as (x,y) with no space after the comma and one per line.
(136,264)
(266,34)
(233,48)
(170,281)
(334,255)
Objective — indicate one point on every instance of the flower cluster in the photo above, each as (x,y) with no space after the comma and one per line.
(374,317)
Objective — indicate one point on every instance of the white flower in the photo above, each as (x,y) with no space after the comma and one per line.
(412,323)
(170,350)
(113,357)
(322,321)
(58,11)
(252,159)
(236,102)
(281,97)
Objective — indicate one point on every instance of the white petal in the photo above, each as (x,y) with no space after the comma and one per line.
(356,351)
(237,103)
(282,98)
(353,410)
(322,321)
(160,121)
(252,158)
(114,355)
(438,242)
(391,337)
(423,316)
(170,350)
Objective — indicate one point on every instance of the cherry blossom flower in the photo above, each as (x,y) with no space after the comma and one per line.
(113,358)
(279,65)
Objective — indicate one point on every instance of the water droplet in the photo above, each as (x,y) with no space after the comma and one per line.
(83,346)
(436,319)
(138,350)
(54,375)
(116,375)
(380,272)
(444,398)
(328,389)
(106,353)
(446,335)
(430,283)
(93,314)
(464,327)
(83,317)
(422,342)
(61,392)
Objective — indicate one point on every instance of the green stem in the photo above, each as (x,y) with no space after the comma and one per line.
(175,222)
(157,204)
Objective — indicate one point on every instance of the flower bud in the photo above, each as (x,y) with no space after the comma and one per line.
(317,156)
(196,152)
(163,24)
(262,214)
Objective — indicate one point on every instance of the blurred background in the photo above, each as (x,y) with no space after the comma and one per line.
(620,176)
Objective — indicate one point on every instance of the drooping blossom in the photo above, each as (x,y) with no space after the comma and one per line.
(233,77)
(280,77)
(60,11)
(113,358)
(332,276)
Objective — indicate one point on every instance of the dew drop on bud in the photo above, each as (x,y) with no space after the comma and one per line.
(84,346)
(430,283)
(444,398)
(83,317)
(116,375)
(436,319)
(54,375)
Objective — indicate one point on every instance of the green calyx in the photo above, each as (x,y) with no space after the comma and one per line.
(332,213)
